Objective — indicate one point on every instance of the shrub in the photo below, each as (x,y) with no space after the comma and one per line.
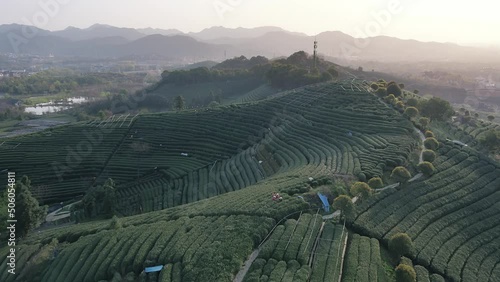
(213,104)
(400,105)
(361,188)
(381,92)
(344,204)
(426,168)
(429,156)
(390,98)
(400,244)
(424,121)
(375,183)
(374,86)
(491,118)
(431,143)
(400,174)
(405,273)
(115,223)
(429,133)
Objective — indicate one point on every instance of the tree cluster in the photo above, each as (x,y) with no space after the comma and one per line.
(29,214)
(48,82)
(436,109)
(491,140)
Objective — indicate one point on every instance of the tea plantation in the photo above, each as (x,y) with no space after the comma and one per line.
(193,194)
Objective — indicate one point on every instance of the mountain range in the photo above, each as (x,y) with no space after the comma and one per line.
(218,43)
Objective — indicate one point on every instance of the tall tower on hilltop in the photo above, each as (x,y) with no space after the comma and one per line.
(315,53)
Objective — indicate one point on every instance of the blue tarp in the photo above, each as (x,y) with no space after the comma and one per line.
(324,199)
(153,269)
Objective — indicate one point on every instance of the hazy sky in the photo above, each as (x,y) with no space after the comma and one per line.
(466,22)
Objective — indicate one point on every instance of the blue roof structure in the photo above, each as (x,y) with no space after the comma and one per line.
(326,204)
(153,269)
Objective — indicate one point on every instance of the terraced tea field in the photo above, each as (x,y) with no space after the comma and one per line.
(193,195)
(342,129)
(452,217)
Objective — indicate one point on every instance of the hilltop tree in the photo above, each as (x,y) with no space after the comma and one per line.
(89,204)
(109,197)
(424,122)
(374,86)
(345,205)
(400,174)
(381,92)
(491,118)
(326,76)
(426,168)
(400,244)
(179,103)
(428,156)
(491,139)
(115,223)
(412,102)
(362,189)
(299,58)
(405,273)
(29,214)
(416,92)
(411,112)
(431,143)
(390,99)
(429,133)
(436,108)
(393,88)
(375,183)
(333,72)
(213,104)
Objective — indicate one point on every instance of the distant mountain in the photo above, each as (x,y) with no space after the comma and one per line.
(218,43)
(347,48)
(174,47)
(218,32)
(152,31)
(98,31)
(22,30)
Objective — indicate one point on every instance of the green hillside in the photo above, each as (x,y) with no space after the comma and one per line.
(193,194)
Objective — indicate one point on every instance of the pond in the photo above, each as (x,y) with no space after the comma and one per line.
(56,106)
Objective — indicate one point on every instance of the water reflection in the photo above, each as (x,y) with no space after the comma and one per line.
(55,106)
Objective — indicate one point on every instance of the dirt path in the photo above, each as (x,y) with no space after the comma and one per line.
(422,147)
(246,266)
(53,216)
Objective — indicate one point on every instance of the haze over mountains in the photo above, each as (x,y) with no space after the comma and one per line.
(219,43)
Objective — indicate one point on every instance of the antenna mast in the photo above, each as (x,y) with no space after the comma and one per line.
(315,54)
